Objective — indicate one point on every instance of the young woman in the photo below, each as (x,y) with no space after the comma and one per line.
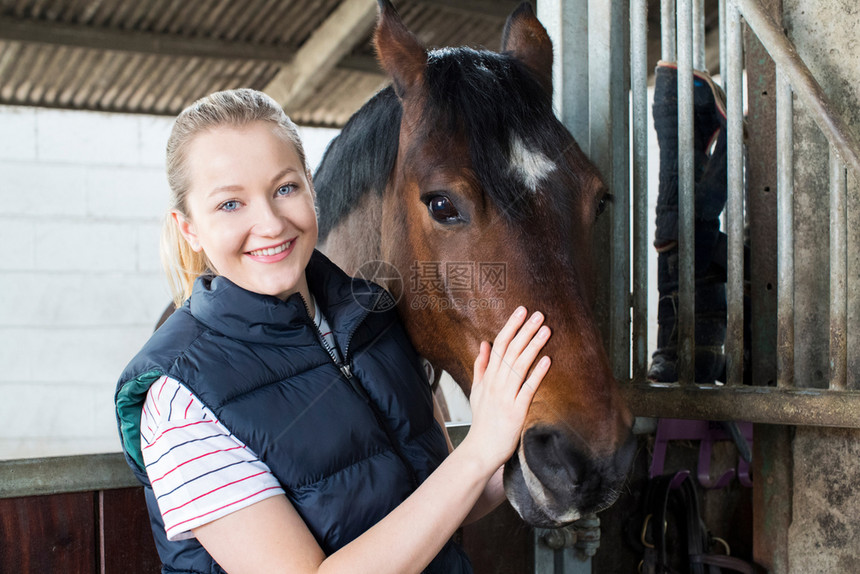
(280,419)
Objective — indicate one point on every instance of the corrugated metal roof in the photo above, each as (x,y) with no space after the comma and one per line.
(157,56)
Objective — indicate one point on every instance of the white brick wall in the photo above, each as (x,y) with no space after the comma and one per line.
(81,285)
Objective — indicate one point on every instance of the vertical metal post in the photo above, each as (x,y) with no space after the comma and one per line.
(686,197)
(544,558)
(723,57)
(699,34)
(667,30)
(838,273)
(721,8)
(639,90)
(550,559)
(735,203)
(619,95)
(566,21)
(785,231)
(609,103)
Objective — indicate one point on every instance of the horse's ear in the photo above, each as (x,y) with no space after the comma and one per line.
(526,39)
(398,50)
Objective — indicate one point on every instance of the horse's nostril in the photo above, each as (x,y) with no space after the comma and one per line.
(551,456)
(543,439)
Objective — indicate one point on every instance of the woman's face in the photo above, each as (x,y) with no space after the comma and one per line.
(251,208)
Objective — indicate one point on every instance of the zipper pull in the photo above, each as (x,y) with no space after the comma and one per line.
(353,382)
(347,372)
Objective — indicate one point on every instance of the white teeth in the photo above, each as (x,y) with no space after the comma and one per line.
(272,250)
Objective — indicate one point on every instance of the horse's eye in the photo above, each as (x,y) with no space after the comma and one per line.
(601,206)
(442,209)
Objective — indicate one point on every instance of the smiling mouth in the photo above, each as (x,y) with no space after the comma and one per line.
(271,250)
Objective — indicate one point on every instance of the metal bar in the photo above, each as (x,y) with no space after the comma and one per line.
(639,90)
(785,231)
(620,188)
(667,30)
(723,58)
(544,556)
(686,197)
(573,562)
(38,476)
(699,34)
(772,37)
(567,24)
(722,32)
(812,407)
(457,432)
(608,150)
(567,550)
(838,273)
(735,202)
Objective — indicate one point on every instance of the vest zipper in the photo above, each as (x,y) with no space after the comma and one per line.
(346,371)
(343,366)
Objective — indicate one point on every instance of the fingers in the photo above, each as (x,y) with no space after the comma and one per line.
(524,360)
(530,386)
(506,379)
(524,337)
(517,346)
(505,336)
(481,362)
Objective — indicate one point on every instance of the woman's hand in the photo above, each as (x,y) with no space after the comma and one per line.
(501,394)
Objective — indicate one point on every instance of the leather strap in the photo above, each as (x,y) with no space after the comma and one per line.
(655,559)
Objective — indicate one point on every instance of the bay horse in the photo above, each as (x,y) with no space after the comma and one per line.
(460,178)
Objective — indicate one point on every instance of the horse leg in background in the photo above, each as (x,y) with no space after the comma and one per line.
(710,198)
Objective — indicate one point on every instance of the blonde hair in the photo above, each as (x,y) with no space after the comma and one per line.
(234,108)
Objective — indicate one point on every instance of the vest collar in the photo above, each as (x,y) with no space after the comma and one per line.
(240,314)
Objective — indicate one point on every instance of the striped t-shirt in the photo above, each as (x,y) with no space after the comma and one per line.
(198,470)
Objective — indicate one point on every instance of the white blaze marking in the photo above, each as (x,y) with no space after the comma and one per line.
(532,166)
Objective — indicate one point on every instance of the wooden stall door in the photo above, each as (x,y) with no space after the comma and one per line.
(96,532)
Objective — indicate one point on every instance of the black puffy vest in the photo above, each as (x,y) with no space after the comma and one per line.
(347,442)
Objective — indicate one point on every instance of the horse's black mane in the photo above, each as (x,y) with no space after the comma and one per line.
(489,96)
(359,159)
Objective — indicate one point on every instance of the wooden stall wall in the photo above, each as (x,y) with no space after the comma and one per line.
(95,532)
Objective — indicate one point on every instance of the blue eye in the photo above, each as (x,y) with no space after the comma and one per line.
(231,205)
(286,189)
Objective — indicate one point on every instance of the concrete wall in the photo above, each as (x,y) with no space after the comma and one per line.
(825,528)
(81,284)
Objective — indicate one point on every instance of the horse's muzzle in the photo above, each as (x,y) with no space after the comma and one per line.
(554,478)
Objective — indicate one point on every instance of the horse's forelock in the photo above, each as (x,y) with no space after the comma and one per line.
(514,138)
(515,141)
